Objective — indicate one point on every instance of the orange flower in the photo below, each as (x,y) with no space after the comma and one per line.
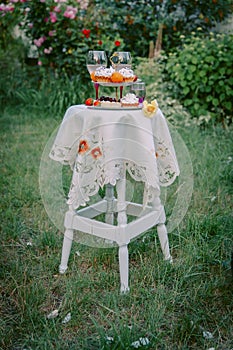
(83,146)
(96,153)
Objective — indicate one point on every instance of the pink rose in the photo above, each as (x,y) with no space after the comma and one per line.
(40,41)
(53,17)
(70,12)
(52,32)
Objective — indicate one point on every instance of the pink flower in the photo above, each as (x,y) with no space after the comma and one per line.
(83,4)
(52,32)
(48,51)
(7,8)
(57,9)
(40,41)
(53,17)
(39,63)
(30,25)
(70,12)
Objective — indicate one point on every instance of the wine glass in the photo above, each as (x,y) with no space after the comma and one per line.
(139,89)
(95,59)
(125,60)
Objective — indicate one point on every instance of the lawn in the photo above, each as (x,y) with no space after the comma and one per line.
(186,305)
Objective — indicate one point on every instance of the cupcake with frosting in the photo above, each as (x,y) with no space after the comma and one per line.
(129,100)
(103,74)
(128,74)
(108,73)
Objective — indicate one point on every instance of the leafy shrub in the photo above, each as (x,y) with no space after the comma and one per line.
(59,32)
(138,21)
(63,31)
(14,74)
(203,73)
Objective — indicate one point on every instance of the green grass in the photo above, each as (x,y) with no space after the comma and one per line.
(171,305)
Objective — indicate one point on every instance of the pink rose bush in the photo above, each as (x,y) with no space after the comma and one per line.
(61,31)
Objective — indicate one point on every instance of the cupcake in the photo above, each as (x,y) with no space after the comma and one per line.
(108,73)
(128,74)
(99,75)
(129,100)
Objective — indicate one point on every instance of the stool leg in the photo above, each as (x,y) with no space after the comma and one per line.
(162,230)
(67,243)
(121,205)
(109,196)
(163,238)
(124,268)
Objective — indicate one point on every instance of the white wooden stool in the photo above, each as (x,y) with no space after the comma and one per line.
(122,233)
(101,146)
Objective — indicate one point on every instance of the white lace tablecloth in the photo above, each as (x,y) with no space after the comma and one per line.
(100,145)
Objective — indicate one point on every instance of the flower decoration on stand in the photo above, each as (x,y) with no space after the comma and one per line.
(150,109)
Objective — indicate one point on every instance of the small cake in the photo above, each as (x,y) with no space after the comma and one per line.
(100,75)
(108,73)
(109,102)
(117,77)
(111,105)
(103,74)
(129,100)
(128,74)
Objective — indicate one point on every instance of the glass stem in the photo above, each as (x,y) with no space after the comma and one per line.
(116,94)
(96,91)
(121,91)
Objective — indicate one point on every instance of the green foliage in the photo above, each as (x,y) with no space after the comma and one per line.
(11,15)
(33,88)
(14,74)
(63,32)
(53,95)
(138,21)
(203,73)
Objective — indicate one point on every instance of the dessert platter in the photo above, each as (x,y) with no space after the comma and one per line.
(118,75)
(129,101)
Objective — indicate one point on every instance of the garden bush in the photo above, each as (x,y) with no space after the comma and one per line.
(203,75)
(138,22)
(63,31)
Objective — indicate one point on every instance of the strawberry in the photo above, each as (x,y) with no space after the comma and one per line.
(89,101)
(135,78)
(97,103)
